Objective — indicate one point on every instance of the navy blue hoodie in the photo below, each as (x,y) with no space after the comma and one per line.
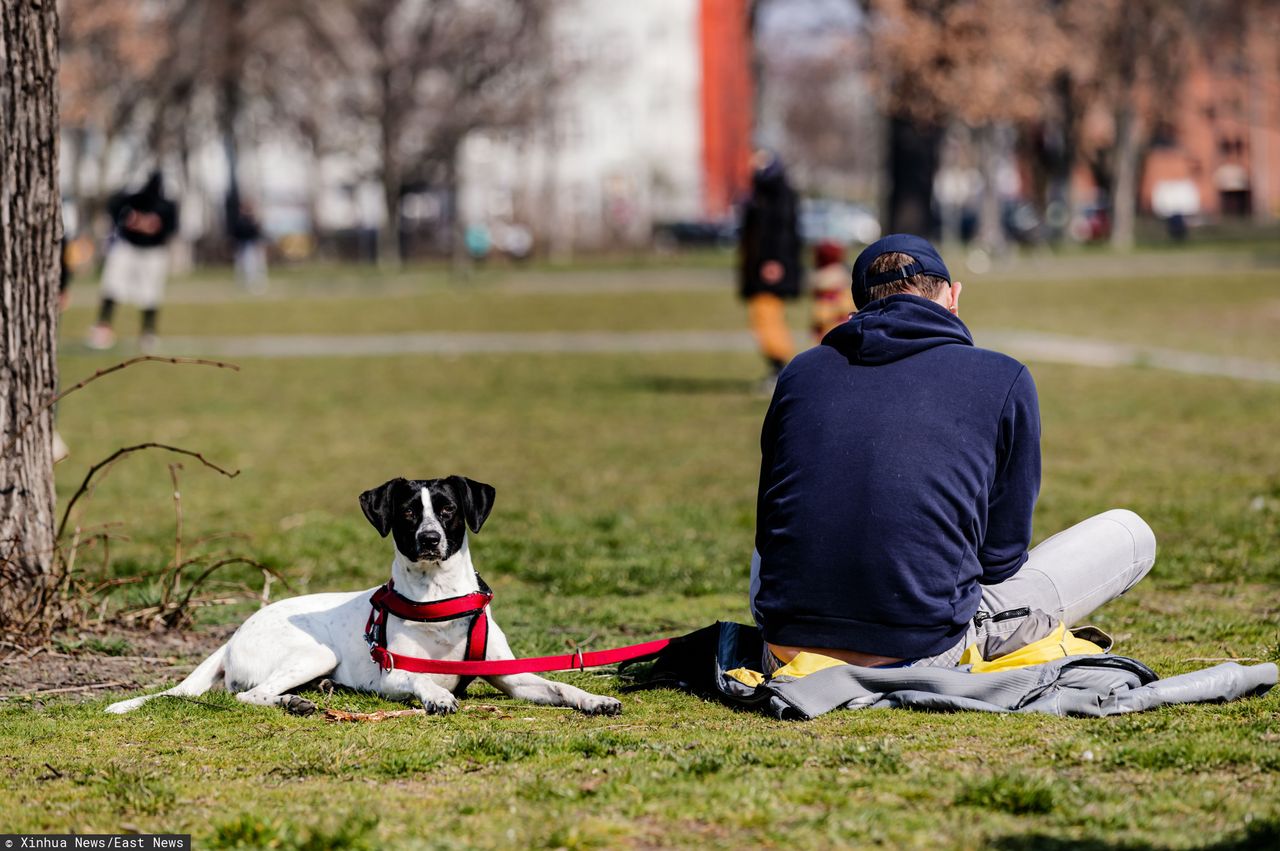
(900,468)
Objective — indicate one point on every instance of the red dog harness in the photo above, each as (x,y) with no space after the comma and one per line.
(387,601)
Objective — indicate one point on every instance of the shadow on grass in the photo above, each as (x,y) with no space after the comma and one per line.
(695,385)
(1261,835)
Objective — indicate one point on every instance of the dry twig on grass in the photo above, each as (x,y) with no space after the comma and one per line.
(70,689)
(333,716)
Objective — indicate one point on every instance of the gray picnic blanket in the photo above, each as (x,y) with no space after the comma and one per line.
(1075,685)
(1095,685)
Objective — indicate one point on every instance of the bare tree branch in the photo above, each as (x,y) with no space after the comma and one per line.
(231,474)
(57,397)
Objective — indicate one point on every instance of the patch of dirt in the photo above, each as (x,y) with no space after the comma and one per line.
(76,666)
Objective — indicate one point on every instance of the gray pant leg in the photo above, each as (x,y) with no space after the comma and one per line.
(1068,576)
(1079,569)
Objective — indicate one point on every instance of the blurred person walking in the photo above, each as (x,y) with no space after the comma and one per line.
(832,292)
(770,273)
(251,251)
(137,261)
(60,450)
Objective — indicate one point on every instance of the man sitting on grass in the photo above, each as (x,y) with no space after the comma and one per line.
(900,469)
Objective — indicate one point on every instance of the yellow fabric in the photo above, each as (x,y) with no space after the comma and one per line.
(746,676)
(768,318)
(804,664)
(1056,645)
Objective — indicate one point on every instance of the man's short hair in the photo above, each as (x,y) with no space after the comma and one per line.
(927,286)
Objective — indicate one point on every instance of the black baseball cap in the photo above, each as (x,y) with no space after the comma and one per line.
(925,260)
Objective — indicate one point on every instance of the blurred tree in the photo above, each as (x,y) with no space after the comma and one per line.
(1041,66)
(424,74)
(30,229)
(813,97)
(113,53)
(169,76)
(1131,66)
(982,63)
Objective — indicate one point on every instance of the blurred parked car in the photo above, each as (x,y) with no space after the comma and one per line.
(822,219)
(721,233)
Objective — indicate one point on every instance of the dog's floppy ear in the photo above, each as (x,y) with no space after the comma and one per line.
(376,504)
(477,500)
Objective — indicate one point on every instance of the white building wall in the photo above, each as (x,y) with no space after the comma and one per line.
(622,147)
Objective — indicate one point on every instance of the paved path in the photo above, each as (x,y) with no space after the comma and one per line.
(1025,345)
(346,283)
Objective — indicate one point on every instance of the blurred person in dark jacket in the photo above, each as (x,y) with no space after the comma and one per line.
(137,261)
(770,271)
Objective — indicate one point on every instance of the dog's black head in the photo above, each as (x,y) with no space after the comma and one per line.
(428,518)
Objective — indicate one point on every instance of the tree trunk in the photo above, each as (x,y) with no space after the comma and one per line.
(30,228)
(459,256)
(389,255)
(1124,191)
(913,162)
(990,153)
(229,106)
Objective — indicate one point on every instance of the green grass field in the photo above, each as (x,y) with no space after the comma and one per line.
(626,489)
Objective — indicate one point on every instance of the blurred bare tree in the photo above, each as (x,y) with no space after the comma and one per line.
(113,53)
(812,87)
(982,63)
(1040,67)
(1130,64)
(424,74)
(398,84)
(163,78)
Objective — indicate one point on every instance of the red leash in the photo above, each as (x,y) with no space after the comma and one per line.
(387,601)
(578,661)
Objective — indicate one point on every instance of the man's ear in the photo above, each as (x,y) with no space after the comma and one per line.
(477,500)
(956,287)
(376,505)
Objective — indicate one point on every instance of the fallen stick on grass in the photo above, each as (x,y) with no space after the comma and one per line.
(1224,659)
(339,715)
(66,689)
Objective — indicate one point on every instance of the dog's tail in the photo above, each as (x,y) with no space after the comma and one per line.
(204,677)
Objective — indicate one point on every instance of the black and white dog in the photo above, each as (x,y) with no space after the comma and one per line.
(299,640)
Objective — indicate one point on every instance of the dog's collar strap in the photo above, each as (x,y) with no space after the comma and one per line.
(387,601)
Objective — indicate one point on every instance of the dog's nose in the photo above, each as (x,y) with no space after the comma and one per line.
(429,539)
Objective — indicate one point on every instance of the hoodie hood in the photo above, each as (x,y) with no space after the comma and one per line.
(154,187)
(771,177)
(897,327)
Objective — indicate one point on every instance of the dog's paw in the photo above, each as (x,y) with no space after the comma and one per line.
(295,705)
(442,706)
(599,705)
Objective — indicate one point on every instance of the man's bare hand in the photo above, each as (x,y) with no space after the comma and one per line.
(140,222)
(771,272)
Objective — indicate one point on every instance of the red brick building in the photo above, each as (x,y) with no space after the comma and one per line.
(1225,136)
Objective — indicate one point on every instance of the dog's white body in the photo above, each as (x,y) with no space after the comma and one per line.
(302,639)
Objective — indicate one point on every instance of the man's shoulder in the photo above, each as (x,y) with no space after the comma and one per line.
(992,360)
(822,357)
